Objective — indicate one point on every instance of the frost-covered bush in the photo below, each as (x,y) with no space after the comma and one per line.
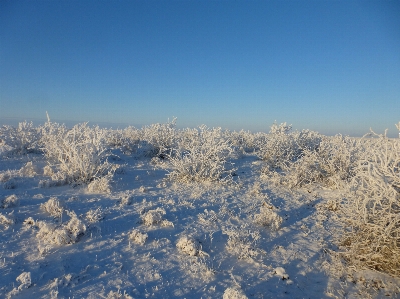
(7,219)
(5,176)
(11,201)
(201,156)
(280,129)
(23,139)
(278,148)
(138,237)
(126,199)
(307,170)
(100,185)
(75,226)
(234,293)
(242,242)
(371,212)
(53,206)
(93,216)
(67,233)
(268,217)
(128,139)
(329,161)
(28,170)
(25,282)
(51,234)
(80,154)
(159,138)
(155,217)
(189,246)
(118,295)
(244,141)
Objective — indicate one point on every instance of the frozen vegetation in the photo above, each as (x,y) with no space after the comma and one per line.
(162,212)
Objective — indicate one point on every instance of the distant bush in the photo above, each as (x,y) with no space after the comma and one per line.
(22,139)
(280,149)
(159,139)
(329,161)
(201,156)
(80,154)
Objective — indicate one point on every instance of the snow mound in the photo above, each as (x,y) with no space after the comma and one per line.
(138,237)
(234,293)
(267,217)
(281,272)
(10,202)
(155,217)
(189,246)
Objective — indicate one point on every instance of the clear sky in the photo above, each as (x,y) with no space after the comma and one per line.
(329,66)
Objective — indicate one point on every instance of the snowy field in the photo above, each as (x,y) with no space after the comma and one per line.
(161,212)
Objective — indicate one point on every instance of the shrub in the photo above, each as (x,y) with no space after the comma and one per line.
(23,139)
(93,216)
(100,185)
(371,213)
(67,233)
(158,139)
(138,237)
(51,234)
(155,217)
(242,242)
(10,202)
(80,154)
(278,148)
(234,293)
(189,246)
(7,219)
(201,157)
(28,170)
(53,206)
(327,160)
(244,141)
(268,217)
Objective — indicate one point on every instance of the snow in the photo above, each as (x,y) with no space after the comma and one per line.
(151,238)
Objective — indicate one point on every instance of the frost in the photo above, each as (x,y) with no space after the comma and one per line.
(100,185)
(53,206)
(234,293)
(28,170)
(155,217)
(7,219)
(10,202)
(67,233)
(267,217)
(189,246)
(93,216)
(118,295)
(138,237)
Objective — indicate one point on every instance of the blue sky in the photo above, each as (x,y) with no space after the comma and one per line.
(329,66)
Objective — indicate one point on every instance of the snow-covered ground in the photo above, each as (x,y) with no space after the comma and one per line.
(155,238)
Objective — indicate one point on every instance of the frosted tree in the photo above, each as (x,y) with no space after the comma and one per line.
(398,127)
